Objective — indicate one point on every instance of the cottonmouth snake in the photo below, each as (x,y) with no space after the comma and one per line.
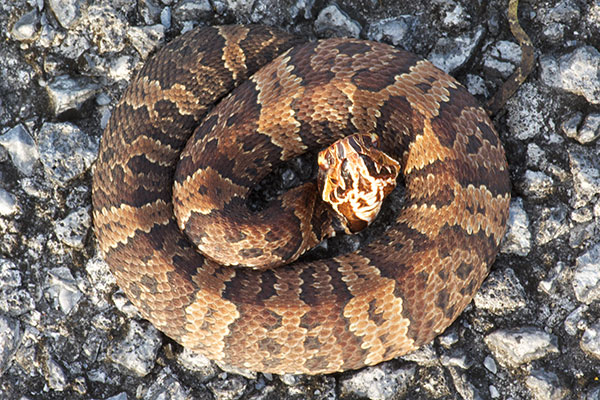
(389,297)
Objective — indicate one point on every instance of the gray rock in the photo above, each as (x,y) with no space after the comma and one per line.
(10,339)
(501,293)
(8,203)
(517,239)
(465,389)
(73,229)
(552,281)
(575,320)
(192,10)
(137,350)
(571,124)
(456,359)
(455,17)
(565,11)
(149,10)
(577,72)
(165,17)
(586,174)
(590,130)
(228,387)
(240,7)
(167,387)
(502,58)
(146,39)
(67,93)
(512,348)
(527,113)
(586,279)
(545,385)
(377,383)
(55,375)
(108,29)
(26,28)
(397,31)
(203,368)
(66,151)
(537,185)
(102,282)
(302,8)
(21,148)
(476,85)
(63,289)
(490,364)
(333,22)
(536,156)
(449,54)
(551,224)
(590,340)
(67,12)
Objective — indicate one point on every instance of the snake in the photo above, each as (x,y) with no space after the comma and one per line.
(214,112)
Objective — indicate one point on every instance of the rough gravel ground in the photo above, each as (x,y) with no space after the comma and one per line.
(66,331)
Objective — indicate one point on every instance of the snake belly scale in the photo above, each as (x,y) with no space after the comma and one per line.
(386,299)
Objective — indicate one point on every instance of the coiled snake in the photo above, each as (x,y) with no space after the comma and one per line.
(389,297)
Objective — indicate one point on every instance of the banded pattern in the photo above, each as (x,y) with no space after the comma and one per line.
(386,299)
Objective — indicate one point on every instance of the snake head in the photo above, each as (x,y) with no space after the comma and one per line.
(354,178)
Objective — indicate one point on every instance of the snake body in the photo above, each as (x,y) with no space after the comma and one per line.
(388,298)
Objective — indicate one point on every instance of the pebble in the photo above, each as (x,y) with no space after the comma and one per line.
(228,387)
(490,364)
(527,116)
(67,93)
(109,29)
(21,148)
(25,29)
(149,10)
(586,174)
(137,351)
(590,340)
(590,130)
(586,279)
(545,385)
(102,282)
(512,348)
(55,375)
(450,54)
(551,224)
(167,387)
(203,368)
(193,10)
(570,125)
(378,383)
(333,22)
(537,185)
(575,72)
(10,338)
(465,389)
(66,151)
(575,320)
(396,31)
(8,203)
(63,288)
(501,293)
(517,239)
(66,12)
(502,58)
(146,39)
(73,229)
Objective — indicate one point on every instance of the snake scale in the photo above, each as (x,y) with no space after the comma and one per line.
(391,296)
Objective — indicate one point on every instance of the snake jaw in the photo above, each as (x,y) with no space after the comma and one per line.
(354,179)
